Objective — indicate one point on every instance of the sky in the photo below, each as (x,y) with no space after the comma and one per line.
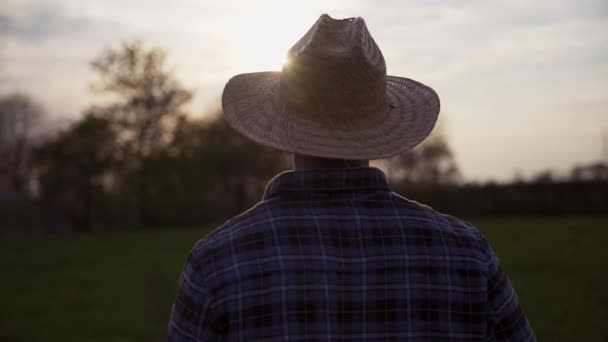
(523,84)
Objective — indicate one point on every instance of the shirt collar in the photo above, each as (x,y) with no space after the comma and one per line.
(327,180)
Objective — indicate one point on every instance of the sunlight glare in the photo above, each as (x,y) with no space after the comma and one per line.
(262,39)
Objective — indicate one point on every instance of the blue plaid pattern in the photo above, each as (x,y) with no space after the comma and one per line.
(334,255)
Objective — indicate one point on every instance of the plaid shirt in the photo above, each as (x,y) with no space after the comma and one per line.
(334,255)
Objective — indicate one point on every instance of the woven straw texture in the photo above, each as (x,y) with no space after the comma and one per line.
(333,99)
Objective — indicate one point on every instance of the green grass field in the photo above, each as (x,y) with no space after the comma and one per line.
(119,286)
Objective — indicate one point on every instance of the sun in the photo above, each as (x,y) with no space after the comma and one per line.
(262,53)
(260,42)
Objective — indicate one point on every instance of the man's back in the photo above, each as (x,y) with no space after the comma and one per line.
(335,255)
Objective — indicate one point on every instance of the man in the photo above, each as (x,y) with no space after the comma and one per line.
(330,253)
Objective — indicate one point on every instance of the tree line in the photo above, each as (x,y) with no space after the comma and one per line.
(141,159)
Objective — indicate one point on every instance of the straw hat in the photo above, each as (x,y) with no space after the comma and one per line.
(332,99)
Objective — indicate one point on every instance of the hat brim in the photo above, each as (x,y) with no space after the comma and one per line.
(252,106)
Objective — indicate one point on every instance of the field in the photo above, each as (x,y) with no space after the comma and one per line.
(119,286)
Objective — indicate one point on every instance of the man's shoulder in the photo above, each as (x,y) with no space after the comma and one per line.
(221,235)
(425,216)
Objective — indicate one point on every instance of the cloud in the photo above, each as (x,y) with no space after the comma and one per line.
(35,23)
(568,43)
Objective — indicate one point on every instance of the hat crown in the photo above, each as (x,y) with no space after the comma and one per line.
(337,68)
(338,38)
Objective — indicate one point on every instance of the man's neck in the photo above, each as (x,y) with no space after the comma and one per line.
(303,162)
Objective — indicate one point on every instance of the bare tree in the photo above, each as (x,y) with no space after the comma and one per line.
(20,119)
(145,102)
(430,163)
(591,172)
